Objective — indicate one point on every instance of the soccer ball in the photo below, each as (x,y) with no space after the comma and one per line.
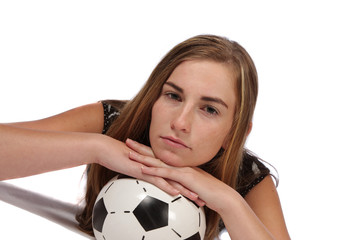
(130,209)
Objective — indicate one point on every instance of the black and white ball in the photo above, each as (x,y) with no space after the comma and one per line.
(130,209)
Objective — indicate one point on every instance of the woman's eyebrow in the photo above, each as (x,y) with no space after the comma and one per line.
(176,87)
(204,98)
(216,100)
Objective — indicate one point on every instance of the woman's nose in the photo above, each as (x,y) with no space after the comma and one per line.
(182,120)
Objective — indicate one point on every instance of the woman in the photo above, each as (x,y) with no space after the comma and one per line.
(195,112)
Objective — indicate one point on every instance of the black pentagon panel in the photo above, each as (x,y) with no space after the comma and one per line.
(196,236)
(99,215)
(152,213)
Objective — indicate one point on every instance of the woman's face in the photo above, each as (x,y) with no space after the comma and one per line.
(194,113)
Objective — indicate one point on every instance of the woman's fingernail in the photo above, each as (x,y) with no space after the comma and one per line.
(131,140)
(194,195)
(201,203)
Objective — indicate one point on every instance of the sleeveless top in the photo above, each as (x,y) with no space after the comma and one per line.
(252,169)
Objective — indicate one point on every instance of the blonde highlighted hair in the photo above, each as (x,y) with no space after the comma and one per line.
(135,117)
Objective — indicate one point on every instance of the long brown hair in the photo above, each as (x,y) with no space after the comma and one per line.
(135,117)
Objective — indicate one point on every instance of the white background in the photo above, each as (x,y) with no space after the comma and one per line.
(56,55)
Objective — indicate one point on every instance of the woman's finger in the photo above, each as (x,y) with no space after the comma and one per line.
(175,174)
(162,184)
(175,178)
(173,188)
(146,160)
(140,148)
(133,169)
(184,191)
(187,193)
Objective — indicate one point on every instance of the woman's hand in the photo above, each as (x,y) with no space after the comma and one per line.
(218,196)
(115,155)
(144,155)
(191,182)
(209,189)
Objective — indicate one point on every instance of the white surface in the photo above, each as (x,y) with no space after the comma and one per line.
(59,55)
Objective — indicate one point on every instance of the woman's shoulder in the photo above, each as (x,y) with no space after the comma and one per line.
(114,104)
(252,171)
(112,109)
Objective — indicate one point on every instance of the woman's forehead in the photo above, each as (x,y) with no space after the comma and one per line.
(205,78)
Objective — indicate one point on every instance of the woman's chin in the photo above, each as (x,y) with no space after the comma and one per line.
(171,159)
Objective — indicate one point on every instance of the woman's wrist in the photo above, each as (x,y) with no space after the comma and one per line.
(96,145)
(229,201)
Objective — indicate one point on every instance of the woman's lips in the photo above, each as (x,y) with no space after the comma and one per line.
(174,142)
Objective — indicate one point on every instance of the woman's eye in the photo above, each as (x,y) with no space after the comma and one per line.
(173,96)
(211,110)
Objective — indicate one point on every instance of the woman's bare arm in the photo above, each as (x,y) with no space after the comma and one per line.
(264,201)
(25,152)
(66,140)
(61,141)
(258,216)
(88,118)
(262,207)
